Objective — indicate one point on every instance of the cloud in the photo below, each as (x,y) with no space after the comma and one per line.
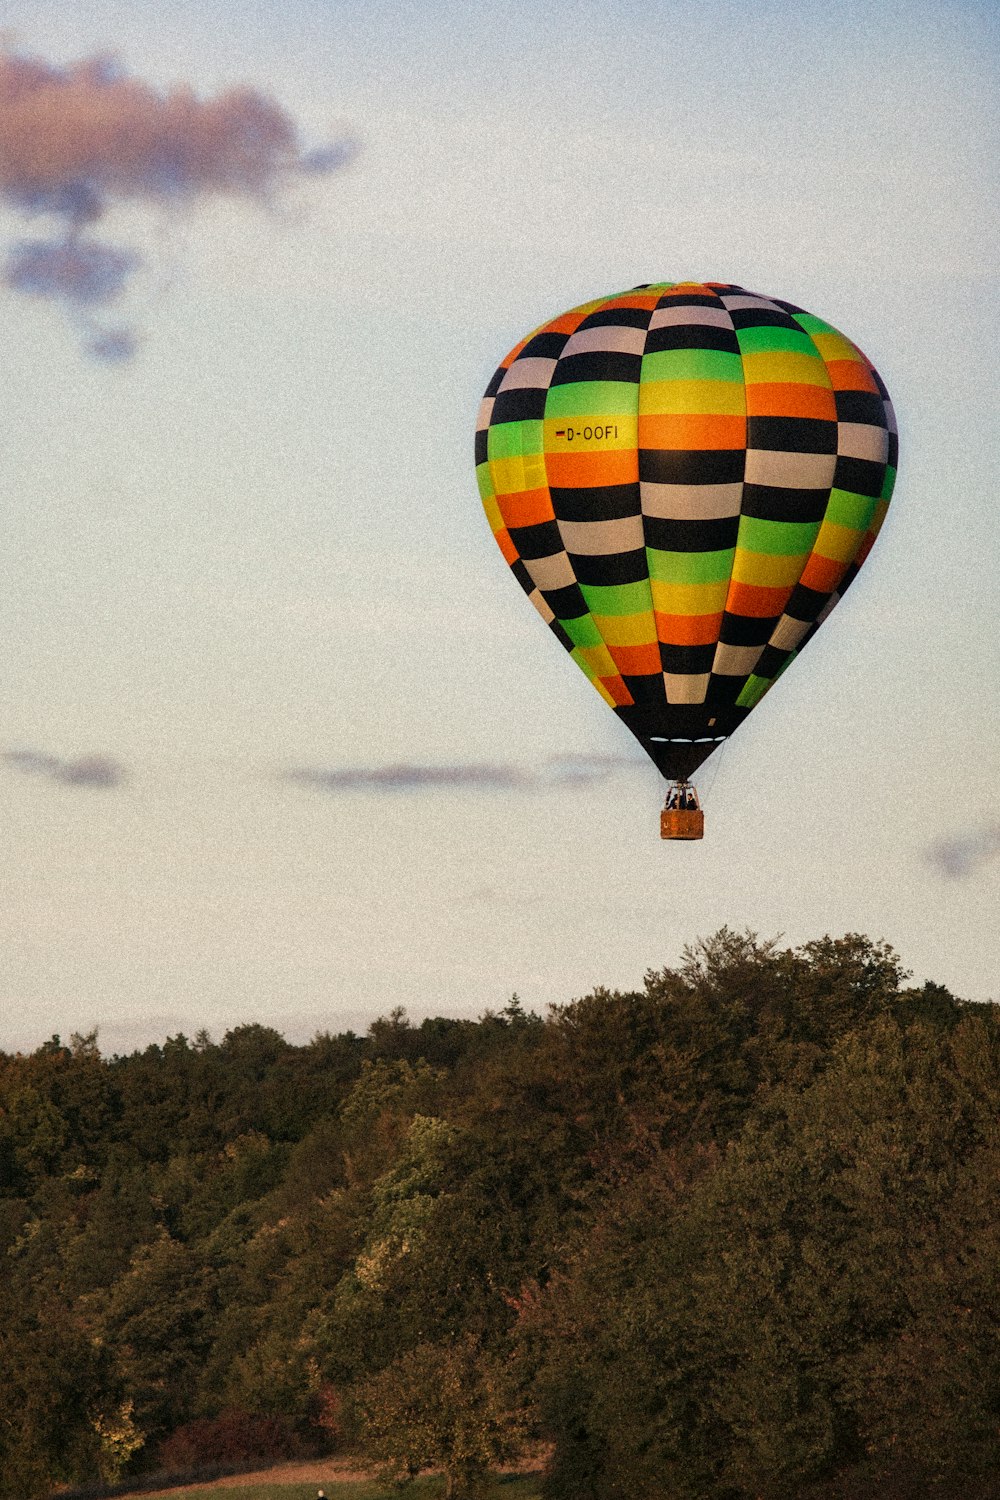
(404,778)
(85,272)
(76,142)
(82,770)
(408,777)
(960,857)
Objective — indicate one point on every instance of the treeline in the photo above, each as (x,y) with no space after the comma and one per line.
(734,1235)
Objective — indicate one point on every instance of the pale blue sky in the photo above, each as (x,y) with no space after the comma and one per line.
(259,547)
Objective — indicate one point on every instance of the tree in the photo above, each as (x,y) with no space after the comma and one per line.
(63,1418)
(156,1320)
(816,1300)
(446,1406)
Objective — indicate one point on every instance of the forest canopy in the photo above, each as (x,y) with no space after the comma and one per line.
(730,1235)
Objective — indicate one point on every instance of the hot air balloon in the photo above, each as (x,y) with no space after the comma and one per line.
(684,479)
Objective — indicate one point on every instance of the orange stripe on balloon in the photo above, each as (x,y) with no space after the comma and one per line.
(565,323)
(644,300)
(688,630)
(756,601)
(609,466)
(506,546)
(616,690)
(526,507)
(637,661)
(505,364)
(851,375)
(695,430)
(822,573)
(771,399)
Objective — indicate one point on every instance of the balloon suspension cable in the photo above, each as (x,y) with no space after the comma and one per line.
(714,765)
(682,793)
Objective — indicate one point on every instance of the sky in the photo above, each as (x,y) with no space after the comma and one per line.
(248,556)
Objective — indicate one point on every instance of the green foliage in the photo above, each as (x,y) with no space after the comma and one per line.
(387,1089)
(156,1319)
(731,1236)
(62,1417)
(446,1406)
(745,1323)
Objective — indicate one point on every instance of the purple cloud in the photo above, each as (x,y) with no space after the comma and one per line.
(81,770)
(962,856)
(78,141)
(83,271)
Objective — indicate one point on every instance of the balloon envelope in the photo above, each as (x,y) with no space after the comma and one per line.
(685,478)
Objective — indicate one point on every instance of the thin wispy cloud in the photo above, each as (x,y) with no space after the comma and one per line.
(413,777)
(79,141)
(100,771)
(402,778)
(962,856)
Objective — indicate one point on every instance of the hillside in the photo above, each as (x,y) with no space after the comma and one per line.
(731,1235)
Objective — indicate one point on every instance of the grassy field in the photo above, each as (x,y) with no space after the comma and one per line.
(509,1487)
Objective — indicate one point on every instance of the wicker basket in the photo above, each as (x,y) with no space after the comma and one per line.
(682,823)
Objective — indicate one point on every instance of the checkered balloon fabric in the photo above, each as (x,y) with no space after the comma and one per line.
(685,478)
